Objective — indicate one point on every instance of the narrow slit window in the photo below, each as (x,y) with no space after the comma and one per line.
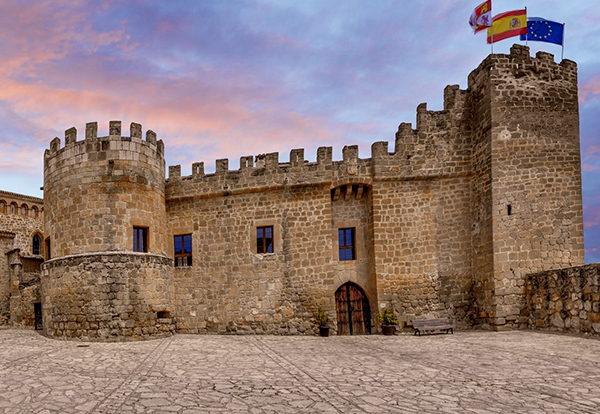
(509,209)
(140,239)
(48,251)
(183,250)
(346,244)
(264,239)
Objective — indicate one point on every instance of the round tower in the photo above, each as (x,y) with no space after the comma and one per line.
(107,275)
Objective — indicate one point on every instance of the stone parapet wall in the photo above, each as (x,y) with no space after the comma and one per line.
(563,300)
(107,296)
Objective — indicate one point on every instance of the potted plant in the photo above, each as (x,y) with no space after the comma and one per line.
(388,322)
(322,319)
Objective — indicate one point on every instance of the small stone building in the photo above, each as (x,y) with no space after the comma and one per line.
(448,224)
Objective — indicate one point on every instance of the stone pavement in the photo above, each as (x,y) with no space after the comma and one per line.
(468,372)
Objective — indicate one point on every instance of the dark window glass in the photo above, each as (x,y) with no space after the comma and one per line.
(264,239)
(36,245)
(48,252)
(346,244)
(183,250)
(140,239)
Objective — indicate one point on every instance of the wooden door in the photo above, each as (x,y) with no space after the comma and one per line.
(353,311)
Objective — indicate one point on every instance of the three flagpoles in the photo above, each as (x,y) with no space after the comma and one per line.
(515,23)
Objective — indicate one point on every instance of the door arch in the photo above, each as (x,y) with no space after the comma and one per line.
(353,310)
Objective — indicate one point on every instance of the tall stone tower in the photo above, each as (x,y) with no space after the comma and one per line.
(526,186)
(107,274)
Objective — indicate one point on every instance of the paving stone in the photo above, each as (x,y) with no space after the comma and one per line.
(468,372)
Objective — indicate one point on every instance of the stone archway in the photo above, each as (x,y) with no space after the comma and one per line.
(353,310)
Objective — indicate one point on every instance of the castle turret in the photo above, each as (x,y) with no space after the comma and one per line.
(105,233)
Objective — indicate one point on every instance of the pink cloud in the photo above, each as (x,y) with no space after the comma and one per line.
(589,89)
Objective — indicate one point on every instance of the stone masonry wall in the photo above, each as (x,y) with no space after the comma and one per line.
(564,300)
(536,173)
(98,189)
(18,225)
(232,289)
(115,296)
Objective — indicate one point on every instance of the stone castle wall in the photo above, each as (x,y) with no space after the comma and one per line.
(472,199)
(95,192)
(18,225)
(563,300)
(529,183)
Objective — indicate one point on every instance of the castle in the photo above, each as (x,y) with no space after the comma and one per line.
(449,224)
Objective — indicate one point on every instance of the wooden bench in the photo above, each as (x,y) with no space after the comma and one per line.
(424,325)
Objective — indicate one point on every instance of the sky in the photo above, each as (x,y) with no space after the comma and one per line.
(229,78)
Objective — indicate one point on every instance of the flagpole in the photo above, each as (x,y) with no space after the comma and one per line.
(527,26)
(562,53)
(492,31)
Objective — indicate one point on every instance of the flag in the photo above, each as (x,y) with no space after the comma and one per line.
(481,16)
(544,30)
(508,24)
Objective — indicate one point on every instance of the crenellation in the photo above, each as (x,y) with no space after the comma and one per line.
(297,157)
(324,156)
(114,129)
(198,169)
(174,171)
(70,136)
(136,131)
(151,137)
(222,166)
(91,130)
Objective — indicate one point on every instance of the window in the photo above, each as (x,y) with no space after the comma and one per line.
(140,239)
(35,248)
(24,210)
(264,239)
(34,212)
(48,254)
(183,250)
(13,208)
(346,244)
(2,206)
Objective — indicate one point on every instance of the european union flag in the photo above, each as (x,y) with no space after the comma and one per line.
(544,30)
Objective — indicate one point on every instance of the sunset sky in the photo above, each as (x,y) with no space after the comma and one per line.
(223,79)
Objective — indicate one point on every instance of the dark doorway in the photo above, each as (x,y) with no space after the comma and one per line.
(37,309)
(353,311)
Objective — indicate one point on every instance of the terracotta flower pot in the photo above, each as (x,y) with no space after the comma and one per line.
(388,329)
(324,330)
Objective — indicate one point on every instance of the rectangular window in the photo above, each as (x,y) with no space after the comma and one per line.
(346,244)
(183,250)
(48,255)
(140,239)
(264,239)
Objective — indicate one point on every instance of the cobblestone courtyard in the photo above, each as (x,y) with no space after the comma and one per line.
(481,372)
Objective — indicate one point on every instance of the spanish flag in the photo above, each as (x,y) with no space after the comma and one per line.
(507,24)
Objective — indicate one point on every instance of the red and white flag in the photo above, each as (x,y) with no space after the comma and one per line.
(481,18)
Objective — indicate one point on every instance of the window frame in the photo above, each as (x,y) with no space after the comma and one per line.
(263,240)
(344,246)
(183,259)
(144,234)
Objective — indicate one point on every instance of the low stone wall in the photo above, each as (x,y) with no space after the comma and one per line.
(110,296)
(564,300)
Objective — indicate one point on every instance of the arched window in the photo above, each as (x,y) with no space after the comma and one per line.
(34,212)
(24,210)
(35,248)
(2,206)
(13,208)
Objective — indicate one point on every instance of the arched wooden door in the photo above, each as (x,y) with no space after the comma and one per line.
(353,311)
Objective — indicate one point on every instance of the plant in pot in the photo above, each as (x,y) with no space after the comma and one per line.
(388,322)
(322,320)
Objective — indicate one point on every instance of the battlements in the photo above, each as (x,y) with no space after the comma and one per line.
(113,147)
(519,64)
(91,133)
